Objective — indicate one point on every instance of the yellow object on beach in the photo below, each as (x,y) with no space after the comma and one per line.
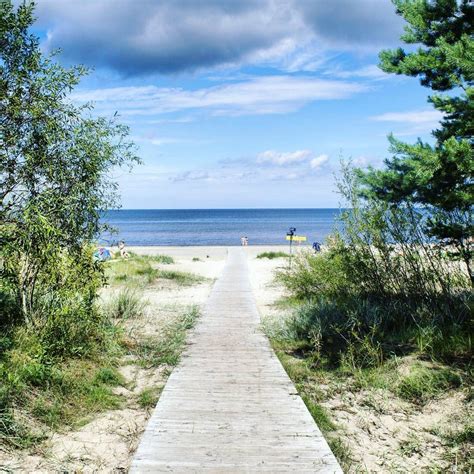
(296,238)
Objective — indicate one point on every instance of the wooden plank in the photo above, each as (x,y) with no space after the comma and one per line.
(230,406)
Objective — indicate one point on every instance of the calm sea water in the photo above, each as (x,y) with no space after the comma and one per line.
(217,226)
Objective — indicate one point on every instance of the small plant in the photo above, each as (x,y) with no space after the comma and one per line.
(166,349)
(424,383)
(164,259)
(127,304)
(182,278)
(109,376)
(272,255)
(196,259)
(149,396)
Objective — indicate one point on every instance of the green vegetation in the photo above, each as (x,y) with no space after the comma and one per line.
(148,397)
(423,383)
(142,270)
(272,255)
(182,278)
(165,348)
(59,348)
(436,177)
(389,305)
(127,304)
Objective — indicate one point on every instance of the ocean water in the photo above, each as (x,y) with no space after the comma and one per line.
(217,226)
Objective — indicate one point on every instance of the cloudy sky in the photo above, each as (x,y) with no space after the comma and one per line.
(242,103)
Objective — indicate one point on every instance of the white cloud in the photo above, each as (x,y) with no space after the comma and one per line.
(431,117)
(260,95)
(319,161)
(372,71)
(281,159)
(269,165)
(420,121)
(194,175)
(156,141)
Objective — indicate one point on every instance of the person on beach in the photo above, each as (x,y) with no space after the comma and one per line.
(316,247)
(246,240)
(242,241)
(123,250)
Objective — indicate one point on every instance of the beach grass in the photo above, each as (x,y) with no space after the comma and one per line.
(166,348)
(149,396)
(128,303)
(142,270)
(272,255)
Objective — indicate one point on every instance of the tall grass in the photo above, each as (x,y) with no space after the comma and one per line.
(127,304)
(382,288)
(166,348)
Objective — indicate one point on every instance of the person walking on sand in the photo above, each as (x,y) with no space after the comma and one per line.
(246,240)
(242,241)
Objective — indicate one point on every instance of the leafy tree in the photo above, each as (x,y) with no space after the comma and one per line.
(56,160)
(438,177)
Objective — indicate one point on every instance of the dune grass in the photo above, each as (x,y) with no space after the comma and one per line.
(127,304)
(149,396)
(142,270)
(272,255)
(43,399)
(166,348)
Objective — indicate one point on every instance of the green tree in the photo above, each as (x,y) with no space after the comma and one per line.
(438,177)
(56,163)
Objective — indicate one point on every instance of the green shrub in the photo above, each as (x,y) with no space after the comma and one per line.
(166,349)
(74,328)
(108,376)
(164,259)
(313,276)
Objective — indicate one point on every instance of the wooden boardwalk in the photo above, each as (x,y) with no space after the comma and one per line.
(229,406)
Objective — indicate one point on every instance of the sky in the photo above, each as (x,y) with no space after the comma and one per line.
(240,104)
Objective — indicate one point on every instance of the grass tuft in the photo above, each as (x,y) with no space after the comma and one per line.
(166,349)
(149,396)
(424,383)
(127,304)
(182,278)
(272,255)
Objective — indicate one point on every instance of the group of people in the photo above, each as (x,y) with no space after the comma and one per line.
(103,254)
(244,241)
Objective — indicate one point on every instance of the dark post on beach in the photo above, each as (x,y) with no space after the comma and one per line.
(290,234)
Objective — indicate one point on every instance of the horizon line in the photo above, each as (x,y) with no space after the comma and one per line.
(220,208)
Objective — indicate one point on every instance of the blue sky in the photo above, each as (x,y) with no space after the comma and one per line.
(247,103)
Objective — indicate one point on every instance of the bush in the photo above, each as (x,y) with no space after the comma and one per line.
(313,276)
(382,287)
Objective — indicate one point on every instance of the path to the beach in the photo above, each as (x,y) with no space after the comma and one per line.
(230,406)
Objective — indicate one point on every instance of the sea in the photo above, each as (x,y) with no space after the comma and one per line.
(187,227)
